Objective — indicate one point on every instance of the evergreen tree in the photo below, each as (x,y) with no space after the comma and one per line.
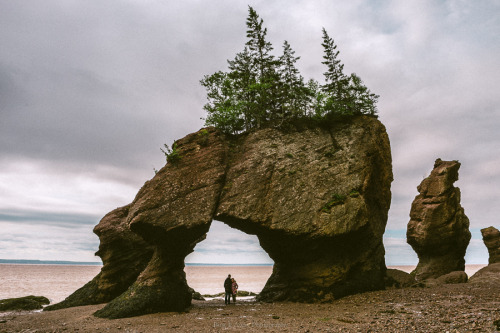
(294,94)
(336,86)
(316,100)
(363,101)
(244,77)
(265,87)
(222,107)
(260,90)
(345,95)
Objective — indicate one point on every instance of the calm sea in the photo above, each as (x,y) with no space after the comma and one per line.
(56,282)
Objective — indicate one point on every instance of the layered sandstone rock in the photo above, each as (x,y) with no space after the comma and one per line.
(491,238)
(438,230)
(124,255)
(317,200)
(316,197)
(173,212)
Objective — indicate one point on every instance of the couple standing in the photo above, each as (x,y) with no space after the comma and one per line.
(231,288)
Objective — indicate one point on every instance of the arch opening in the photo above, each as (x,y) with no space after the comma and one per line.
(227,250)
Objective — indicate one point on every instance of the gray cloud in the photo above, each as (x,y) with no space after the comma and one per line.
(64,220)
(89,91)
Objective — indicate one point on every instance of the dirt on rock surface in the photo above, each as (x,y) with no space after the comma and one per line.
(447,308)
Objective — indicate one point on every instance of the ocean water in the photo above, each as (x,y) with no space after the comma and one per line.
(56,282)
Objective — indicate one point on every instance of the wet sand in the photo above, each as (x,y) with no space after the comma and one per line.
(449,308)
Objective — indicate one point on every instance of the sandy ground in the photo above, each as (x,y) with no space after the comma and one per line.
(448,308)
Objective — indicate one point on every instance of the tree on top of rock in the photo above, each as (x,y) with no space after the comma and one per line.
(294,94)
(265,89)
(261,90)
(345,95)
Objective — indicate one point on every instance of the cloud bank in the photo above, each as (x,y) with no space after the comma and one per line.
(90,91)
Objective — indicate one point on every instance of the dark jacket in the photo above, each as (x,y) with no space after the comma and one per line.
(228,285)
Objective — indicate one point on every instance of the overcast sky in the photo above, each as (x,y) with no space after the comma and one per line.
(90,91)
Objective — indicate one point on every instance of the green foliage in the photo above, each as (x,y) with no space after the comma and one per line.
(260,90)
(343,95)
(172,155)
(354,194)
(203,137)
(337,199)
(23,303)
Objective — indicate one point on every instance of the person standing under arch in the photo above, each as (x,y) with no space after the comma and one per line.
(228,288)
(234,289)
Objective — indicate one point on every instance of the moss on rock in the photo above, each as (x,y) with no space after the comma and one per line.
(23,303)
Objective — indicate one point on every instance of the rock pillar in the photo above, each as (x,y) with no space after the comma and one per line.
(491,238)
(438,230)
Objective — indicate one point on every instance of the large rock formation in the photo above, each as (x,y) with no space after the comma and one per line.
(438,230)
(491,238)
(316,197)
(124,255)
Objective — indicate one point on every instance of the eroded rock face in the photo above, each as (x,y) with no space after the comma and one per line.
(318,201)
(173,212)
(491,238)
(438,230)
(124,255)
(317,198)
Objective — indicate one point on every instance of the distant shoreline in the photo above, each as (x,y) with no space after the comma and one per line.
(48,262)
(470,268)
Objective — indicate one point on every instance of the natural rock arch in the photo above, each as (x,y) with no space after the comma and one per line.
(316,197)
(224,245)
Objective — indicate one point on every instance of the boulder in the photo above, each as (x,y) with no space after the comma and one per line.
(23,303)
(317,198)
(438,230)
(489,275)
(396,278)
(450,278)
(491,238)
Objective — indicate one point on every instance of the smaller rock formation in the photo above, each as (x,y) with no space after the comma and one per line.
(491,238)
(450,278)
(23,303)
(124,256)
(489,275)
(438,230)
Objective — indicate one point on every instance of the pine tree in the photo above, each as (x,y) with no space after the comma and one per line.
(293,92)
(243,74)
(316,100)
(260,90)
(336,86)
(265,87)
(222,107)
(363,101)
